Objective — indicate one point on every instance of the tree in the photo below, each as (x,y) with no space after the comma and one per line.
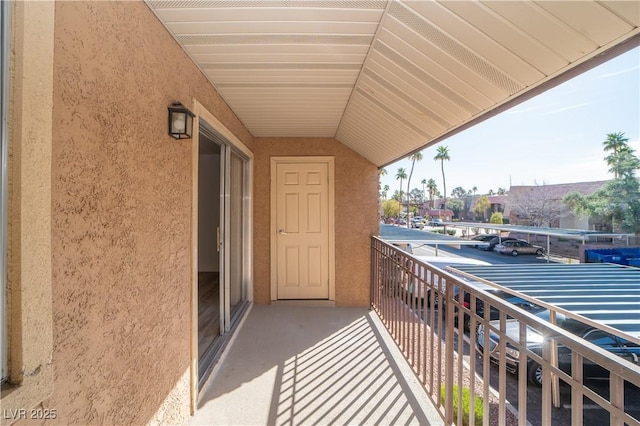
(619,201)
(458,192)
(390,208)
(385,191)
(400,175)
(474,190)
(432,187)
(491,192)
(383,171)
(424,183)
(415,195)
(615,143)
(481,207)
(442,155)
(621,163)
(496,217)
(538,204)
(456,206)
(416,156)
(502,191)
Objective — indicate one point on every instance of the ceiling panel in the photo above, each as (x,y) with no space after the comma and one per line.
(387,78)
(629,11)
(510,36)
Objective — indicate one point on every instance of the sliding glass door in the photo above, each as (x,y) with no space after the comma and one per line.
(223,220)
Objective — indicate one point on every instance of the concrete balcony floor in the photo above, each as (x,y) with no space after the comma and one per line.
(304,365)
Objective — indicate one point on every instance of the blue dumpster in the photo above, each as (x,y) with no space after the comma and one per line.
(621,256)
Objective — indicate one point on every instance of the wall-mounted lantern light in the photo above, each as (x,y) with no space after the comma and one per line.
(180,121)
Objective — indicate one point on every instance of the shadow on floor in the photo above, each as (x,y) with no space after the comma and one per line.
(303,365)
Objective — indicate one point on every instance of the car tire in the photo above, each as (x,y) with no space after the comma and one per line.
(539,252)
(534,373)
(514,253)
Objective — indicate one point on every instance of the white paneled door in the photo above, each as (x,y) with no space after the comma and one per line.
(302,229)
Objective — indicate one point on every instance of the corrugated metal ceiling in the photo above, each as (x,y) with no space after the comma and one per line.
(387,77)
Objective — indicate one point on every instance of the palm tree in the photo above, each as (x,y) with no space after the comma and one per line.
(416,156)
(386,190)
(383,171)
(442,155)
(401,174)
(424,183)
(432,187)
(617,143)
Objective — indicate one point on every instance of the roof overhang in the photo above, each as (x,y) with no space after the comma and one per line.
(388,78)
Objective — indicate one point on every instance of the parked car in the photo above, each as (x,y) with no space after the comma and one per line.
(412,286)
(435,222)
(591,370)
(416,222)
(514,248)
(494,313)
(490,244)
(481,238)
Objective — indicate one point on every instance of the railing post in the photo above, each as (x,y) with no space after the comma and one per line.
(449,351)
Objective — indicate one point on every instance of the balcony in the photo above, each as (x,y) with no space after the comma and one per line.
(313,365)
(399,362)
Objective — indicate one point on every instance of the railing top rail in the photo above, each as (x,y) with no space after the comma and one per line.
(619,366)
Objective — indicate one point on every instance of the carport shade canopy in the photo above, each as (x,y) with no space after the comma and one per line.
(603,295)
(574,234)
(401,234)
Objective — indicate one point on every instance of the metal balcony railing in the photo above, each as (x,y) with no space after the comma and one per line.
(422,307)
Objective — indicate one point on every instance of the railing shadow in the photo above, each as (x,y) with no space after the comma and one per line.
(324,366)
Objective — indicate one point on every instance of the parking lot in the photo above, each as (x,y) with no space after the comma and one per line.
(593,414)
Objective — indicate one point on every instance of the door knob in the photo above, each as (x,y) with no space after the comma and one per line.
(282,232)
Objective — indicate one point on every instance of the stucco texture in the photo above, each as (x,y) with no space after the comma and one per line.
(121,210)
(356,214)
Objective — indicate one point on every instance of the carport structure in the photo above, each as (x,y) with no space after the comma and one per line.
(400,236)
(603,295)
(573,234)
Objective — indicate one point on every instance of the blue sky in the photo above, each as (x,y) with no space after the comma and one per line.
(554,138)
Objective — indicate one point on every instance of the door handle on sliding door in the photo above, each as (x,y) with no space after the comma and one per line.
(282,232)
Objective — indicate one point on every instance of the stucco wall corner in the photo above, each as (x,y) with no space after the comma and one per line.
(175,408)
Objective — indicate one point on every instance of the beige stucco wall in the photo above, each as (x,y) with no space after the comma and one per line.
(121,214)
(121,210)
(356,214)
(29,284)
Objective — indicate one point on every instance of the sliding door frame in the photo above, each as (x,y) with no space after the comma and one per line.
(227,320)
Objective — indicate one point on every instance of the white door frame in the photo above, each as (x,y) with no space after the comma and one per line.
(202,113)
(273,228)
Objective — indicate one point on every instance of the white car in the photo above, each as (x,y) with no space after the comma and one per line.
(514,248)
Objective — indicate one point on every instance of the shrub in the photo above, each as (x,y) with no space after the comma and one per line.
(466,403)
(496,218)
(451,231)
